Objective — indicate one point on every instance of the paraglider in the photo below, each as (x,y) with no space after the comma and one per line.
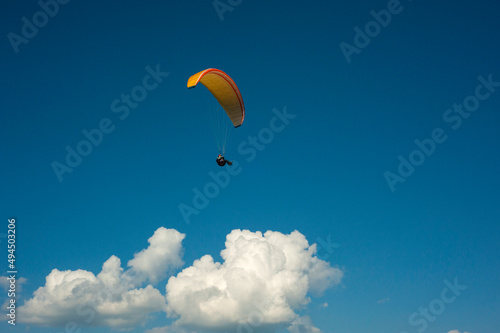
(228,95)
(221,161)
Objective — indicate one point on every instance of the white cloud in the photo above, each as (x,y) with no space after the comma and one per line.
(5,283)
(163,255)
(260,284)
(11,292)
(303,325)
(168,329)
(164,329)
(113,298)
(455,331)
(263,281)
(383,300)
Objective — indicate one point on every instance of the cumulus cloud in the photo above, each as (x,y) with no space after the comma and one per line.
(162,256)
(261,285)
(263,280)
(113,298)
(456,331)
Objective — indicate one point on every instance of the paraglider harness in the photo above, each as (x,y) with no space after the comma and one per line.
(221,161)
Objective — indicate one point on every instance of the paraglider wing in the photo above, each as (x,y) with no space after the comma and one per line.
(224,90)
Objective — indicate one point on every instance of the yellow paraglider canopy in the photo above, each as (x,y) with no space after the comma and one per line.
(224,90)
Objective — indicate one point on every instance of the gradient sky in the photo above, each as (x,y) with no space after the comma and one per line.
(325,174)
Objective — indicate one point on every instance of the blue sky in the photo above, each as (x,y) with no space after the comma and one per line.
(352,120)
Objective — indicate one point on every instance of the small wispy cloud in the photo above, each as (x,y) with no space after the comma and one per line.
(5,283)
(16,289)
(303,325)
(383,300)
